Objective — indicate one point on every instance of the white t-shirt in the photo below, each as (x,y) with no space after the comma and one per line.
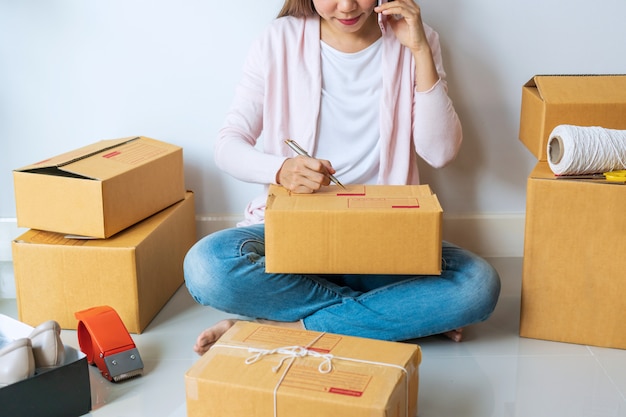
(348,131)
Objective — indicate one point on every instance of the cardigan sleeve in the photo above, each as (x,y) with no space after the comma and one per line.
(437,132)
(235,149)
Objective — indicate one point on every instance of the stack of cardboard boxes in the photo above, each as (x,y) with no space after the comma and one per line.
(110,224)
(573,286)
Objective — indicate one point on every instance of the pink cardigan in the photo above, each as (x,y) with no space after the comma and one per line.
(279,96)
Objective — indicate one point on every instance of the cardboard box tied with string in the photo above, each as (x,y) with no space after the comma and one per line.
(263,370)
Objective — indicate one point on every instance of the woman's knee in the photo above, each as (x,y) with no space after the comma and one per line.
(486,289)
(217,266)
(199,268)
(479,283)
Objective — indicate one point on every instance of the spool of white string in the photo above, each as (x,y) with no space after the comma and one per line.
(578,150)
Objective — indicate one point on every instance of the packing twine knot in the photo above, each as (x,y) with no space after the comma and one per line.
(291,352)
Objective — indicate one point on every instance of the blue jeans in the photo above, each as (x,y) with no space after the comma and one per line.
(226,270)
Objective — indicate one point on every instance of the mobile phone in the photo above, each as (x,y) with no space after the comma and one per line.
(382,19)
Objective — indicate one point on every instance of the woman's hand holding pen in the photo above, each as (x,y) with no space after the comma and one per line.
(304,175)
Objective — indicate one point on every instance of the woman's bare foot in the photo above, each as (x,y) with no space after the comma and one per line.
(209,336)
(455,335)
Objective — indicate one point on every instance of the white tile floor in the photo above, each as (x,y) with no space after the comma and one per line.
(493,373)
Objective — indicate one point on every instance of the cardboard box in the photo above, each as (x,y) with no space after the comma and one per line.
(580,100)
(135,272)
(63,391)
(100,189)
(373,229)
(366,378)
(573,286)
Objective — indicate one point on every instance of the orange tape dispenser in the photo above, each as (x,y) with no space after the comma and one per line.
(104,339)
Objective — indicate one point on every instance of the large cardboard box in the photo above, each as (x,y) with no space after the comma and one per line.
(580,100)
(364,229)
(258,370)
(59,392)
(573,286)
(135,272)
(100,189)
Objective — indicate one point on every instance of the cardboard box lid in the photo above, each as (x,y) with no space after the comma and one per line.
(261,336)
(363,197)
(118,155)
(584,89)
(542,171)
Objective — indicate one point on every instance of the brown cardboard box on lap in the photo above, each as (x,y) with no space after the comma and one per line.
(100,189)
(364,229)
(136,271)
(573,286)
(579,100)
(365,377)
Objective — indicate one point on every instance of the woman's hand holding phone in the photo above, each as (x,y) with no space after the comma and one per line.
(408,28)
(407,24)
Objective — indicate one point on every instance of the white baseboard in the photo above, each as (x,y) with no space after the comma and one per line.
(488,235)
(8,232)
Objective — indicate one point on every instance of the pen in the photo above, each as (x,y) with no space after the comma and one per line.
(297,149)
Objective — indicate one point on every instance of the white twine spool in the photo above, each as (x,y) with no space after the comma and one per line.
(577,150)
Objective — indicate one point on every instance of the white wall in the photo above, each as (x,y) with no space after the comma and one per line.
(76,71)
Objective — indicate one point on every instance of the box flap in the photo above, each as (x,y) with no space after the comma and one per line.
(272,337)
(542,171)
(117,156)
(123,158)
(587,89)
(54,165)
(356,196)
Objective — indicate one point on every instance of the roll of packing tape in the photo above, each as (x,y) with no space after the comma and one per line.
(104,339)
